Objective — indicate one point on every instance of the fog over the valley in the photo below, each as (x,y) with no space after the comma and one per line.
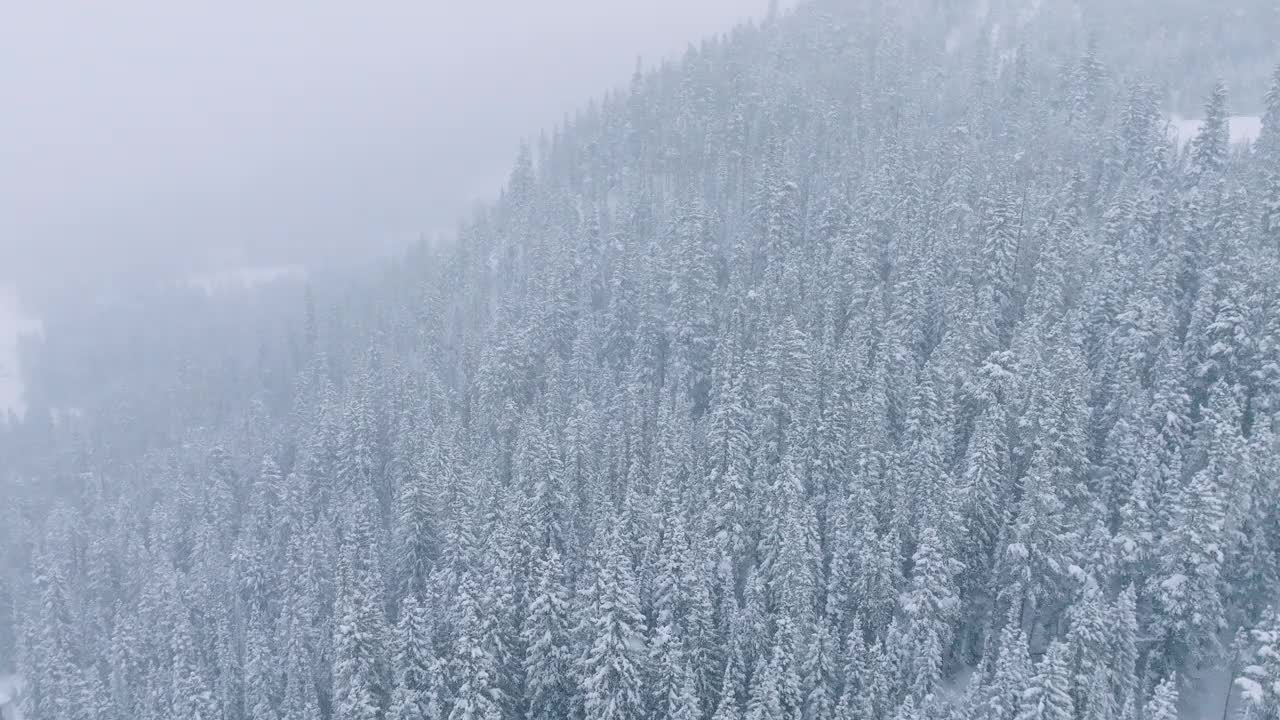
(146,138)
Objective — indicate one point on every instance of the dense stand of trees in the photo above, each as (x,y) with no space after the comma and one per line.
(826,374)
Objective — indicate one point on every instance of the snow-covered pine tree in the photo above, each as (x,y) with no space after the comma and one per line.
(415,694)
(1260,682)
(1048,694)
(611,668)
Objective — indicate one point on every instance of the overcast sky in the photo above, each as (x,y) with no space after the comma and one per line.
(154,136)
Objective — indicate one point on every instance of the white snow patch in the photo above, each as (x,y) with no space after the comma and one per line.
(954,688)
(1207,692)
(1241,128)
(1250,689)
(14,323)
(67,414)
(245,278)
(10,693)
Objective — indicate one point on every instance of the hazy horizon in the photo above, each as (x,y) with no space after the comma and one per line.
(153,139)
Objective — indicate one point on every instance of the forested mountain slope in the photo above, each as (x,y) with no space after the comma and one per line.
(828,373)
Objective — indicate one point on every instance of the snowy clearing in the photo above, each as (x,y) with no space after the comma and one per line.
(1243,128)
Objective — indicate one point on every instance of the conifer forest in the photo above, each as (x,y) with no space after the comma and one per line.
(847,367)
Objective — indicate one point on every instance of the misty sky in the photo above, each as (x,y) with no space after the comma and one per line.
(153,136)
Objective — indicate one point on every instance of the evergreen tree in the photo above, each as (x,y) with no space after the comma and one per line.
(1260,684)
(415,694)
(930,606)
(1047,696)
(612,665)
(1010,676)
(475,679)
(1186,592)
(1209,147)
(1164,704)
(192,696)
(548,663)
(360,638)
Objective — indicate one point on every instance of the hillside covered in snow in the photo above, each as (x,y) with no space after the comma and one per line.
(849,367)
